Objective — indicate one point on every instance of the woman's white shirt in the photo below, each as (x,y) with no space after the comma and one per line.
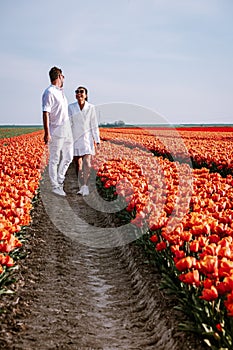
(85,128)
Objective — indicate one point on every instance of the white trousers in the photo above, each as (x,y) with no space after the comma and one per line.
(60,157)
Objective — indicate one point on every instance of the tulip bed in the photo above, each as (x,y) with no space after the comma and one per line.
(185,218)
(21,163)
(181,209)
(211,148)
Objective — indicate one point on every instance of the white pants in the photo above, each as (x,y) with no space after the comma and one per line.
(60,157)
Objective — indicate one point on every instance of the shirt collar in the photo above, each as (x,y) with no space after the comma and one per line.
(86,106)
(56,87)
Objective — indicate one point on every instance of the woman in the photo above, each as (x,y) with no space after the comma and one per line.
(85,131)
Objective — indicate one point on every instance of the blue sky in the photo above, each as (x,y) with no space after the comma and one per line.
(171,57)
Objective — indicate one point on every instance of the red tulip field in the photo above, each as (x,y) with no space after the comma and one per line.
(176,186)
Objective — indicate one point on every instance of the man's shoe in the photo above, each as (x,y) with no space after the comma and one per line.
(59,191)
(62,189)
(85,190)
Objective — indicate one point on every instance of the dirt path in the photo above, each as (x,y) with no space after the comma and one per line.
(75,296)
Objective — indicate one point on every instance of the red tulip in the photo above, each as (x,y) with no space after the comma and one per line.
(154,238)
(191,277)
(161,246)
(186,263)
(209,294)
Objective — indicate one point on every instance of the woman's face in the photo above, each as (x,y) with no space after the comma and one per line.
(81,95)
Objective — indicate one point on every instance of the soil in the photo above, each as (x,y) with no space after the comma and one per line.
(69,295)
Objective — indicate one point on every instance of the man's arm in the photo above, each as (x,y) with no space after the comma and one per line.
(47,136)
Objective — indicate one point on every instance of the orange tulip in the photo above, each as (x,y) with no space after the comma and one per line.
(186,263)
(209,265)
(209,294)
(191,277)
(194,246)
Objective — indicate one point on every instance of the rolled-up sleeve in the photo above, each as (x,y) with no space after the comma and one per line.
(47,102)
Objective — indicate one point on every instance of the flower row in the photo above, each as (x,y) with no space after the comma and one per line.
(187,213)
(21,163)
(202,148)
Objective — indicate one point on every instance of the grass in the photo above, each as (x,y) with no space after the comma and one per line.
(11,131)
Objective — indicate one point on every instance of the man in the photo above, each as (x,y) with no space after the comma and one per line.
(57,130)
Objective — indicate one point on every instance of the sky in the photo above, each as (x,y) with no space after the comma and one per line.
(168,58)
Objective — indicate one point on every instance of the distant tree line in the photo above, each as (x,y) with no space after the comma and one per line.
(113,124)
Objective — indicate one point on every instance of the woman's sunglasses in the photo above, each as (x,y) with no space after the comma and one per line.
(81,91)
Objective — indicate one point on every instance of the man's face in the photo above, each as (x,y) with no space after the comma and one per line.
(61,77)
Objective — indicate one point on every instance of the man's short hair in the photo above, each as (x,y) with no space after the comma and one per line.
(54,73)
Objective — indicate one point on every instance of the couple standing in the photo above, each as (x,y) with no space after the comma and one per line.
(70,131)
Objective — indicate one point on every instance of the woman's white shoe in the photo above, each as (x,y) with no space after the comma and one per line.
(85,190)
(81,190)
